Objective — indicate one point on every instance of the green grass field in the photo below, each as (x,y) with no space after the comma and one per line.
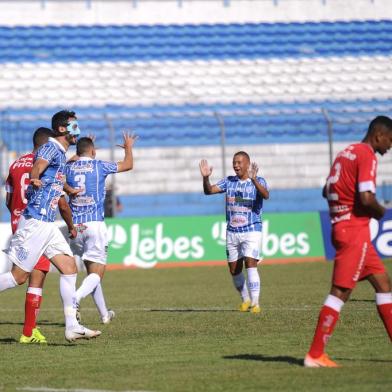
(177,330)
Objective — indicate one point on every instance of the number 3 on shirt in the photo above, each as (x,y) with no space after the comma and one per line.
(333,179)
(81,181)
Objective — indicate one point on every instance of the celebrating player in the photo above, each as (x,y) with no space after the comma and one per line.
(37,233)
(88,175)
(244,200)
(16,184)
(350,190)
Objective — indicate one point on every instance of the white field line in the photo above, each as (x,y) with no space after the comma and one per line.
(46,389)
(191,309)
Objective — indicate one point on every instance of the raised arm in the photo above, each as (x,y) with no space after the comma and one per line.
(205,171)
(127,163)
(253,170)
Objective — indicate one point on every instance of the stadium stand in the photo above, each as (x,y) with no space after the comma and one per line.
(272,84)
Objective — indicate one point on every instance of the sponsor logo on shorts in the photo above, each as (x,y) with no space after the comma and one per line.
(21,253)
(81,228)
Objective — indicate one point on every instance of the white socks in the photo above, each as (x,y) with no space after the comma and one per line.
(100,300)
(383,298)
(334,303)
(67,292)
(7,281)
(254,285)
(89,283)
(240,285)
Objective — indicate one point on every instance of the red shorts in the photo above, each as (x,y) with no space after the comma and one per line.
(43,264)
(355,257)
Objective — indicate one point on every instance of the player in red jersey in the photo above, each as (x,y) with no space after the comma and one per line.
(351,193)
(16,185)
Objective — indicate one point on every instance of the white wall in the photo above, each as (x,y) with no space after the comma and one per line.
(192,11)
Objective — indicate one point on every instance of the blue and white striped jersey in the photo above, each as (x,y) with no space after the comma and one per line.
(42,202)
(243,204)
(88,174)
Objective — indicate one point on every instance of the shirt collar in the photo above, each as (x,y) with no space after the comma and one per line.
(85,159)
(53,140)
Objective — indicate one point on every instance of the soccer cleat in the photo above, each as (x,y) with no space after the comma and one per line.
(35,338)
(322,361)
(255,309)
(244,307)
(80,332)
(109,317)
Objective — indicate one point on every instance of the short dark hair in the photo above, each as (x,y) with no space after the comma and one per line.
(60,119)
(243,153)
(83,145)
(379,120)
(41,136)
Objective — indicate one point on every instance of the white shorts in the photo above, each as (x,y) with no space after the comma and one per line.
(91,243)
(34,238)
(239,245)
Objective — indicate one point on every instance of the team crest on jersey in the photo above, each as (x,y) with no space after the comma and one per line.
(249,189)
(60,177)
(21,253)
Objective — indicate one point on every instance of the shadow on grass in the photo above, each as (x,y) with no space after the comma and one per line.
(8,341)
(192,310)
(40,323)
(14,341)
(265,358)
(361,300)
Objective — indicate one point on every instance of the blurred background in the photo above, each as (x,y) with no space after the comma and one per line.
(289,81)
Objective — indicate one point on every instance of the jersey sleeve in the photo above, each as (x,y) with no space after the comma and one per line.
(222,184)
(47,152)
(108,167)
(263,182)
(9,187)
(367,168)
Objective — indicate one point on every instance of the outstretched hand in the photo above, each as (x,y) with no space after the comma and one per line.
(253,170)
(129,140)
(205,168)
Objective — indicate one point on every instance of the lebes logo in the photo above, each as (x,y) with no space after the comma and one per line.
(381,234)
(148,246)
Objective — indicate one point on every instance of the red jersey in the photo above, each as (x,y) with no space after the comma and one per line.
(16,184)
(353,171)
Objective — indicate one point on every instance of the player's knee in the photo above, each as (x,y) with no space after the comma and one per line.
(21,278)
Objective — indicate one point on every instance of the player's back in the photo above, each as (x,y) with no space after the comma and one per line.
(353,171)
(88,175)
(17,183)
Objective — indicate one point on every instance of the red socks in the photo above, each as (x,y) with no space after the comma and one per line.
(325,326)
(385,312)
(32,306)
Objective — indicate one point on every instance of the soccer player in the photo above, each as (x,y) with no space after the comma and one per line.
(88,175)
(351,193)
(37,233)
(245,193)
(16,184)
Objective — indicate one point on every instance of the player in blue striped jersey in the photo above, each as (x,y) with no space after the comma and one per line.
(37,233)
(245,193)
(88,175)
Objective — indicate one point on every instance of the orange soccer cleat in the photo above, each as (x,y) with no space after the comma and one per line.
(322,361)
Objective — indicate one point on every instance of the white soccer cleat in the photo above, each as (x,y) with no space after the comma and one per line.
(109,317)
(80,332)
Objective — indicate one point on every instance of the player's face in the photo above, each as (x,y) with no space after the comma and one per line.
(240,166)
(384,142)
